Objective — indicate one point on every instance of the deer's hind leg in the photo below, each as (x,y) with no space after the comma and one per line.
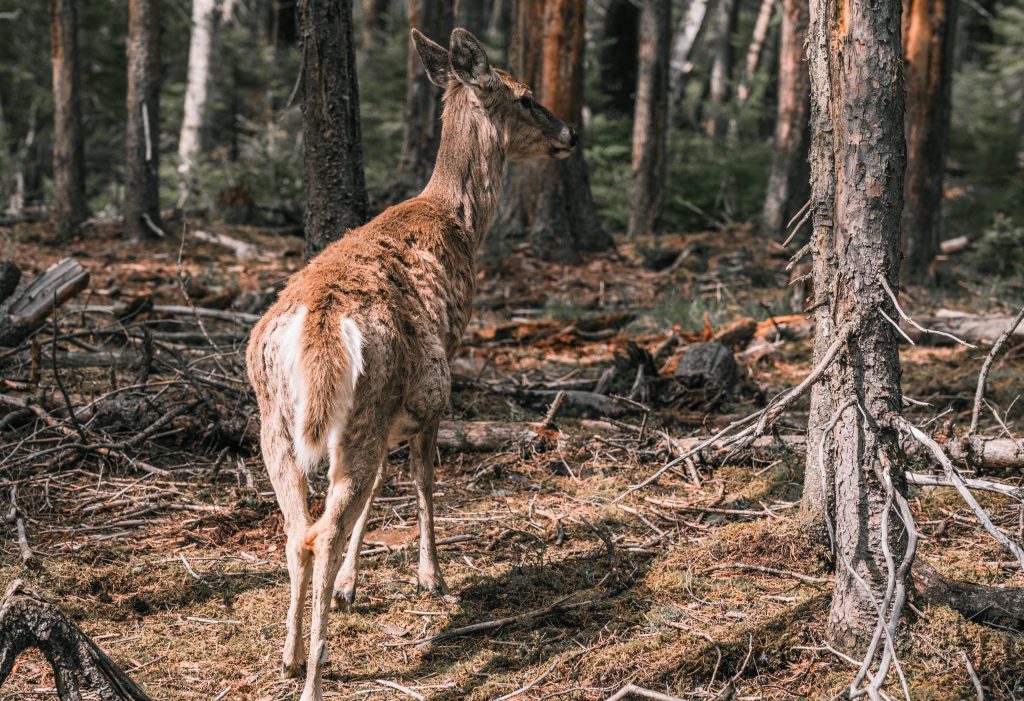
(423,448)
(345,585)
(351,476)
(291,488)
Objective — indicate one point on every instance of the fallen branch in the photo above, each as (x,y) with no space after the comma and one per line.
(979,393)
(976,602)
(28,620)
(632,690)
(770,570)
(30,308)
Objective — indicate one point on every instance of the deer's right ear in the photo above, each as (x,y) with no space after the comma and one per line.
(434,58)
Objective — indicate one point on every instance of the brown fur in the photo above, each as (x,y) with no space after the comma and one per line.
(403,283)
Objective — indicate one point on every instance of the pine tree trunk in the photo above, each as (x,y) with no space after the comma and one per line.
(858,158)
(68,149)
(617,59)
(687,35)
(375,16)
(472,15)
(789,178)
(720,89)
(755,50)
(928,38)
(142,136)
(200,50)
(331,135)
(422,132)
(650,125)
(548,203)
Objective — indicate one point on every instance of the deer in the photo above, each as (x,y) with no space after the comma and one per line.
(353,356)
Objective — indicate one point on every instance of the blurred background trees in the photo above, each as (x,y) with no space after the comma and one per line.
(195,106)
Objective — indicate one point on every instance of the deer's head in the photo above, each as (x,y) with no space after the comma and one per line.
(529,129)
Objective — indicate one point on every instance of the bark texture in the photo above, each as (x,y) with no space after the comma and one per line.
(617,58)
(928,39)
(720,90)
(548,203)
(789,177)
(28,620)
(332,139)
(650,123)
(858,157)
(422,132)
(142,135)
(200,50)
(68,149)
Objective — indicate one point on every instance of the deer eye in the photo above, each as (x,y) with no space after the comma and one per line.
(526,102)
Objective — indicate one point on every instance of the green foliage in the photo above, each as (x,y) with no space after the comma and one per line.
(1000,250)
(710,182)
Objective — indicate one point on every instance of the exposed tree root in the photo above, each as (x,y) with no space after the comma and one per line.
(28,620)
(976,602)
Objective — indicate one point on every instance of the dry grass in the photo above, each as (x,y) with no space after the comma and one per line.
(190,596)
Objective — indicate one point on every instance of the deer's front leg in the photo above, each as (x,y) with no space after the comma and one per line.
(345,584)
(423,448)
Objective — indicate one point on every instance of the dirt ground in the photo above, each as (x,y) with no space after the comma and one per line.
(176,566)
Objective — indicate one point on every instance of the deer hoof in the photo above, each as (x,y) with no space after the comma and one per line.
(295,670)
(343,600)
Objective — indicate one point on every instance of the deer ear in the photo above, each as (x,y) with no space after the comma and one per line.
(434,58)
(469,60)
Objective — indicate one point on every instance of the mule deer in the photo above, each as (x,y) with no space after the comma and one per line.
(353,356)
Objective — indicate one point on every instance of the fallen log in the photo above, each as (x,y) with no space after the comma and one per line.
(27,620)
(29,308)
(480,436)
(976,602)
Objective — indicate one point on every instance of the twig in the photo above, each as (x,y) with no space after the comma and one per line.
(770,570)
(906,317)
(404,689)
(556,404)
(633,690)
(14,518)
(974,676)
(922,480)
(954,476)
(979,394)
(535,682)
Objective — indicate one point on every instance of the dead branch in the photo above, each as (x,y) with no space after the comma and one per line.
(979,394)
(633,690)
(29,309)
(28,620)
(482,436)
(770,570)
(977,602)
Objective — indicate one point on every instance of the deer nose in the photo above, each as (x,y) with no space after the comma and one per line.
(574,137)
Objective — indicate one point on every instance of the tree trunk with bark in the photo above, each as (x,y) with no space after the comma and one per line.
(68,149)
(650,123)
(422,132)
(200,50)
(858,157)
(331,135)
(142,135)
(473,15)
(755,51)
(548,203)
(928,39)
(375,22)
(789,177)
(720,88)
(617,59)
(691,26)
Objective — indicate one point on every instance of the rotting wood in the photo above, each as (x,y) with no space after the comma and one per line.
(27,620)
(31,307)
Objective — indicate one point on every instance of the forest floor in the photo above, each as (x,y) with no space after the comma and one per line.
(168,547)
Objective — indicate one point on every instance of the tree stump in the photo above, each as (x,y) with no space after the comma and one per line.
(707,365)
(28,620)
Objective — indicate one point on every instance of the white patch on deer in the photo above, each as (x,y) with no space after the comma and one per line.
(352,340)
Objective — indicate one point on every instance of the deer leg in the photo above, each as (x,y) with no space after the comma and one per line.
(351,479)
(423,448)
(345,584)
(291,489)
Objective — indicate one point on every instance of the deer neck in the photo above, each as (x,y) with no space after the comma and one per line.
(470,164)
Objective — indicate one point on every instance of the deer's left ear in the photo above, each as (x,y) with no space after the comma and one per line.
(469,60)
(434,58)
